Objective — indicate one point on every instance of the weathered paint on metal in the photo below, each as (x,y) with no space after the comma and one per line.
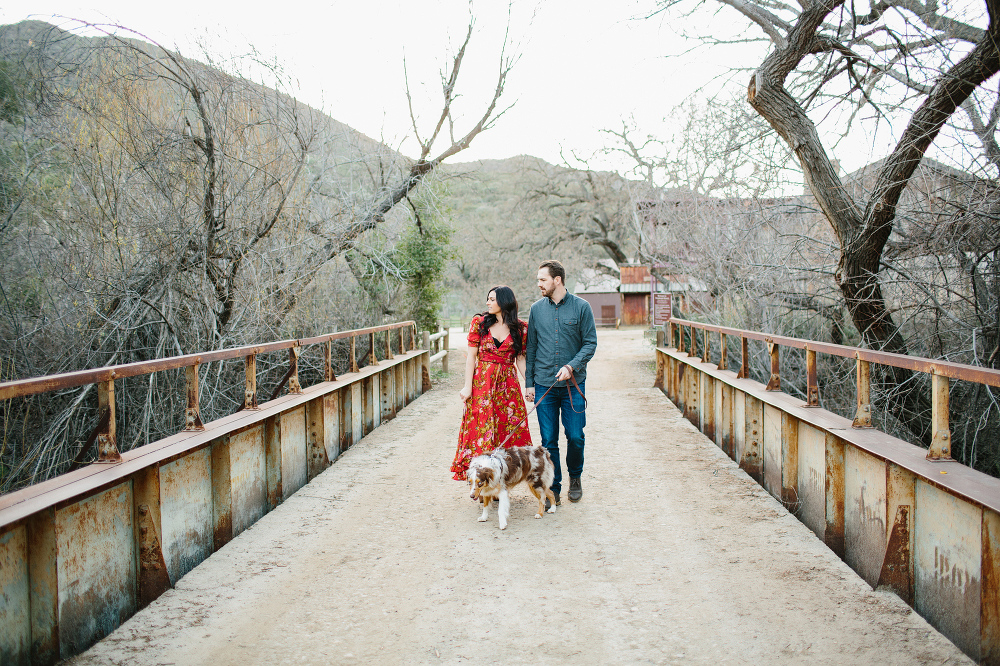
(250,391)
(864,513)
(752,458)
(248,476)
(192,414)
(317,459)
(272,460)
(388,399)
(96,567)
(692,405)
(774,382)
(707,411)
(772,456)
(990,605)
(357,412)
(15,598)
(947,550)
(331,425)
(293,451)
(940,448)
(863,416)
(739,424)
(186,516)
(812,381)
(222,494)
(660,360)
(107,446)
(399,385)
(833,537)
(683,371)
(812,478)
(43,573)
(728,420)
(790,462)
(897,564)
(375,401)
(153,578)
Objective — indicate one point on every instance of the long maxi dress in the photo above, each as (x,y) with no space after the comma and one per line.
(496,408)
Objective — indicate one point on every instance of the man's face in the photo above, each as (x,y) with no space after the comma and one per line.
(546,283)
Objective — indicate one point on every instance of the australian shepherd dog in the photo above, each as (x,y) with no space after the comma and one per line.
(492,476)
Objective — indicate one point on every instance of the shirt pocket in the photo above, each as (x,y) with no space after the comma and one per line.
(570,321)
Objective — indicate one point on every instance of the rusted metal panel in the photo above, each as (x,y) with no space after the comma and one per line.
(947,549)
(718,402)
(812,478)
(683,372)
(293,451)
(222,494)
(331,425)
(357,413)
(834,534)
(96,567)
(317,459)
(772,455)
(15,597)
(790,462)
(864,513)
(692,391)
(272,460)
(990,604)
(374,401)
(707,411)
(752,458)
(248,475)
(388,394)
(739,424)
(728,440)
(153,577)
(186,515)
(399,384)
(43,573)
(660,361)
(897,563)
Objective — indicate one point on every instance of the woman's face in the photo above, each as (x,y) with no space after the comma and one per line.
(491,303)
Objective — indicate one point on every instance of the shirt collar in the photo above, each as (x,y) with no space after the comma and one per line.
(562,300)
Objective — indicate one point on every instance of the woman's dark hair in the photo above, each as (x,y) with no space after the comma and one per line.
(508,310)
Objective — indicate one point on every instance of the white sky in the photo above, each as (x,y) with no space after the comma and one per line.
(584,65)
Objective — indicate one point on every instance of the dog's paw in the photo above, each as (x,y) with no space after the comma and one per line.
(538,515)
(482,519)
(504,526)
(552,509)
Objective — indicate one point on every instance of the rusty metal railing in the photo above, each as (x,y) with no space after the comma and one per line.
(941,372)
(105,377)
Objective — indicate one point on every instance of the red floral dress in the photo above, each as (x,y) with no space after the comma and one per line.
(496,408)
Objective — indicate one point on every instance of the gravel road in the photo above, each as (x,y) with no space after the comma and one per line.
(674,555)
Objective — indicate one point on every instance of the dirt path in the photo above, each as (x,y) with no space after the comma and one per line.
(673,556)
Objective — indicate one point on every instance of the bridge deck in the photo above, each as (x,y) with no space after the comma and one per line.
(673,556)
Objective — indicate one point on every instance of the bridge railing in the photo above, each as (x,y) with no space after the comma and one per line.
(903,517)
(82,552)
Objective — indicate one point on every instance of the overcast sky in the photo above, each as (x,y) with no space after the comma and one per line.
(584,66)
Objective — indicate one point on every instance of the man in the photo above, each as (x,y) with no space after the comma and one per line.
(562,338)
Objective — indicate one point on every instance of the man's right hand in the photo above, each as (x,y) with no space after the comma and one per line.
(529,395)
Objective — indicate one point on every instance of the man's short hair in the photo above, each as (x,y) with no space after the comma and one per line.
(555,270)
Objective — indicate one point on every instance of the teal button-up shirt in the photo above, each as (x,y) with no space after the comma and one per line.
(559,334)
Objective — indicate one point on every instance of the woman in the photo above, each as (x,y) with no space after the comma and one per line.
(494,404)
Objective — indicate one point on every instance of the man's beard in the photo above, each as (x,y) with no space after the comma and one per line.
(548,293)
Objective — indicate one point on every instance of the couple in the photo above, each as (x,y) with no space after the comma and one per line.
(550,350)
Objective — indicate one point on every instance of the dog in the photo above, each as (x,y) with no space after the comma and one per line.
(492,476)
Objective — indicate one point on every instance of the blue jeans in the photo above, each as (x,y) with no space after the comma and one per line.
(548,423)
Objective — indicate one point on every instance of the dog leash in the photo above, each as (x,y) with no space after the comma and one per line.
(524,421)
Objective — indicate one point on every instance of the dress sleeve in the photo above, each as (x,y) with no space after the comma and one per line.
(474,336)
(524,337)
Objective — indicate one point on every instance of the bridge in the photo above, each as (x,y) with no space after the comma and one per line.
(684,549)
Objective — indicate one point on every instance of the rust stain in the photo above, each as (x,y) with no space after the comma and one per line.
(990,591)
(153,578)
(897,565)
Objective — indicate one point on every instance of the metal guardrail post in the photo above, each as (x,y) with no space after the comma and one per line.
(774,383)
(354,353)
(372,359)
(250,394)
(863,417)
(940,449)
(192,415)
(812,382)
(388,346)
(705,350)
(107,447)
(723,362)
(328,375)
(293,362)
(743,372)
